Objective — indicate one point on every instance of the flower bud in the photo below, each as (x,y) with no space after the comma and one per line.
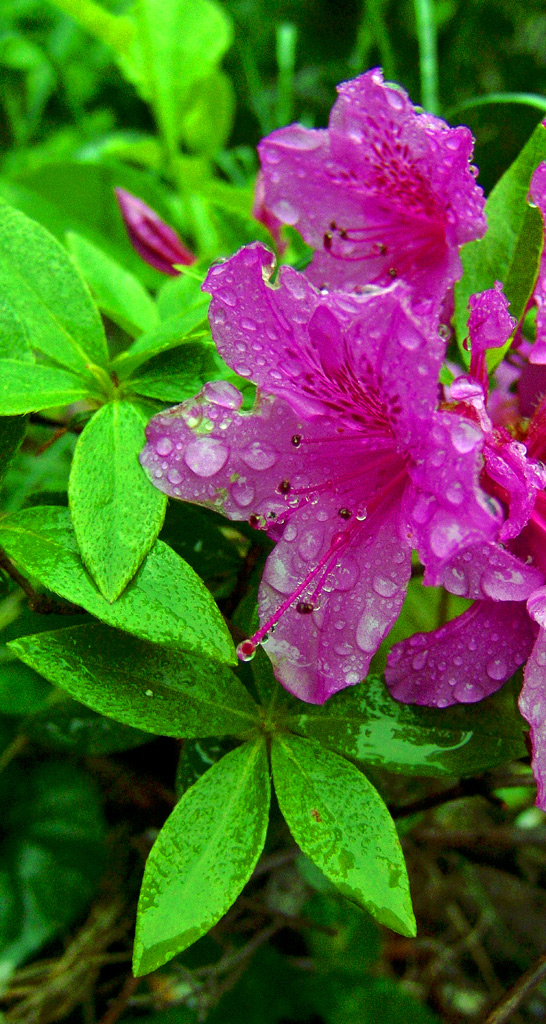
(157,243)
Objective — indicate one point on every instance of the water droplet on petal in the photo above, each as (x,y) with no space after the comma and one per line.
(205,456)
(164,446)
(497,668)
(259,456)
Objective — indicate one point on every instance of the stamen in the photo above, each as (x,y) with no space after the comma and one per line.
(305,607)
(246,649)
(296,440)
(284,487)
(345,513)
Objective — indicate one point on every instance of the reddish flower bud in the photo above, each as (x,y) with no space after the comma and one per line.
(157,243)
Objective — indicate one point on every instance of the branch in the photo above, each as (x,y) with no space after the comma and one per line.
(510,1002)
(40,603)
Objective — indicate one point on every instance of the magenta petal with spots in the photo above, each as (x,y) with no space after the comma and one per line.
(464,661)
(446,508)
(347,608)
(384,192)
(323,353)
(490,572)
(537,193)
(344,424)
(532,700)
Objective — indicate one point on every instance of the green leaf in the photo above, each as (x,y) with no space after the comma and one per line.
(168,335)
(510,250)
(67,725)
(40,285)
(117,292)
(166,602)
(141,684)
(117,513)
(51,856)
(178,43)
(340,821)
(29,387)
(115,31)
(366,724)
(12,432)
(74,196)
(177,375)
(208,119)
(203,856)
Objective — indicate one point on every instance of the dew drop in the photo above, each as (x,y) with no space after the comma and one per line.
(497,668)
(205,456)
(164,446)
(259,456)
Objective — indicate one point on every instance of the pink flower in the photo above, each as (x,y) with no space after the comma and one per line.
(473,655)
(344,460)
(384,192)
(154,240)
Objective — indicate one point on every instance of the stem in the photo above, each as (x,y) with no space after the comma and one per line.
(428,54)
(287,35)
(40,603)
(13,749)
(510,1002)
(376,16)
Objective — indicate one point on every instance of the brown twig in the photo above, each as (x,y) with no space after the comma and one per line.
(117,1007)
(513,999)
(464,788)
(40,603)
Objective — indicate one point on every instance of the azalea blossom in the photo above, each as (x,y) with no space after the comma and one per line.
(384,192)
(473,655)
(344,460)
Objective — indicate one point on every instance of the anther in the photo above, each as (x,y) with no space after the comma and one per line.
(345,513)
(392,272)
(256,522)
(305,607)
(327,240)
(284,487)
(296,440)
(246,650)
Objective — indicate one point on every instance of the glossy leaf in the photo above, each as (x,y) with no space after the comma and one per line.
(67,725)
(340,821)
(169,334)
(116,511)
(51,855)
(141,684)
(508,252)
(366,724)
(12,432)
(41,285)
(177,375)
(166,602)
(29,387)
(118,293)
(203,856)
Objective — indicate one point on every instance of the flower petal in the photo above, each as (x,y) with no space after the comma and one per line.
(207,451)
(370,361)
(532,699)
(490,572)
(537,193)
(315,655)
(447,509)
(385,191)
(464,661)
